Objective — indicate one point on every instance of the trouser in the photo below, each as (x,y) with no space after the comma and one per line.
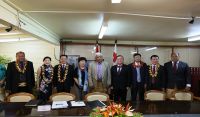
(99,87)
(120,95)
(63,89)
(23,89)
(138,89)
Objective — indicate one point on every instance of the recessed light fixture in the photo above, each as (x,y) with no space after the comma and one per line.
(15,39)
(10,33)
(103,30)
(194,38)
(116,1)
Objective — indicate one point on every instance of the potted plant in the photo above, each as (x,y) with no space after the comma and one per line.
(3,62)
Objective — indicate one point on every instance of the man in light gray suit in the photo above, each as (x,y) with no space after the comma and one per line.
(99,75)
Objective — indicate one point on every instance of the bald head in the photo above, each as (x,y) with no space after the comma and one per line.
(175,56)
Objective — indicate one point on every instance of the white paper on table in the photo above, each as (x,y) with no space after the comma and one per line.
(44,108)
(77,103)
(59,104)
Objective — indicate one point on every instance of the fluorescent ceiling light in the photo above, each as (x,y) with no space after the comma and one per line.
(8,40)
(103,30)
(153,48)
(10,33)
(15,39)
(133,52)
(115,1)
(195,38)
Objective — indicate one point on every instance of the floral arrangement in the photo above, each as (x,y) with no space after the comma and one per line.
(115,110)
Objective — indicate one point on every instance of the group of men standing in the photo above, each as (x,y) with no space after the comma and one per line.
(99,77)
(140,77)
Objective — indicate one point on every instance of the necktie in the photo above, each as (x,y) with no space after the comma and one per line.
(99,71)
(119,70)
(174,67)
(63,68)
(154,69)
(153,72)
(21,65)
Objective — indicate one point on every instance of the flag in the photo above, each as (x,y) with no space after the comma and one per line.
(115,53)
(98,48)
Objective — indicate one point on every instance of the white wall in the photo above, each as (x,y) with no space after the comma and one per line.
(35,51)
(189,55)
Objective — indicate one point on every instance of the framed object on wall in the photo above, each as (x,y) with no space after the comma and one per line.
(73,60)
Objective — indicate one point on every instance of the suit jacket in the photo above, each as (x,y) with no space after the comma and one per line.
(159,80)
(120,81)
(12,77)
(92,74)
(179,78)
(133,74)
(69,82)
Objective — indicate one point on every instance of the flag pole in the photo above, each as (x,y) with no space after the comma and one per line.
(115,53)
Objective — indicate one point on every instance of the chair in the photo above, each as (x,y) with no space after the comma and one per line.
(183,95)
(63,96)
(97,96)
(154,95)
(196,98)
(20,97)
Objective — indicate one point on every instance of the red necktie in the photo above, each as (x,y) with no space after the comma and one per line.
(154,69)
(153,72)
(174,67)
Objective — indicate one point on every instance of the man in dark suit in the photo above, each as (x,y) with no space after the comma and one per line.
(138,76)
(155,80)
(20,75)
(63,75)
(177,75)
(119,79)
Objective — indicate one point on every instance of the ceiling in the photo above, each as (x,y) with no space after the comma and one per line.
(8,34)
(82,19)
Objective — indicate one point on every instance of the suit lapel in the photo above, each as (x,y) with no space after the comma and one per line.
(95,70)
(103,69)
(122,69)
(179,66)
(115,68)
(171,66)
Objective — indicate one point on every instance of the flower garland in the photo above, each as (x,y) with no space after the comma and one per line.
(65,74)
(46,80)
(19,69)
(154,75)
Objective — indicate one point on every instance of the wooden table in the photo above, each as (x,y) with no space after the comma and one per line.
(155,108)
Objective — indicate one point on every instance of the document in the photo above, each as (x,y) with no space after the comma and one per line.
(44,108)
(77,103)
(59,104)
(33,103)
(96,103)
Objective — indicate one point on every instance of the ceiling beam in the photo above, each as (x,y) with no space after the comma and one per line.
(133,43)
